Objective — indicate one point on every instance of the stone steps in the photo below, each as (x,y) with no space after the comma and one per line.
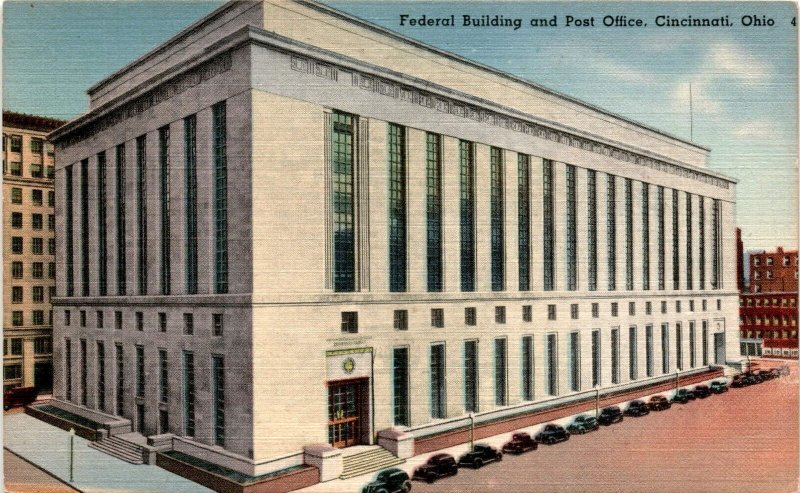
(368,461)
(119,448)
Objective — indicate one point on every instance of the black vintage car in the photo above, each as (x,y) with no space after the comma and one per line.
(481,454)
(683,396)
(610,415)
(438,466)
(702,391)
(583,424)
(740,381)
(389,481)
(520,442)
(637,408)
(552,433)
(658,403)
(718,387)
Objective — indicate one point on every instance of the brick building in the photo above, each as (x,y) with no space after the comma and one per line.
(772,272)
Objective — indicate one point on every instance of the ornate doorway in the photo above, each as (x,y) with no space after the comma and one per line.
(347,412)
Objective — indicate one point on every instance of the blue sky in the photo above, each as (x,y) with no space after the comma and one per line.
(744,79)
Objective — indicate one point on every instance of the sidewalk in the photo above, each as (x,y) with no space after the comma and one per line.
(94,472)
(23,477)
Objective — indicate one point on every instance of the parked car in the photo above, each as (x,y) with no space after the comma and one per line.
(438,466)
(740,381)
(659,403)
(583,424)
(702,391)
(481,454)
(683,396)
(718,387)
(760,375)
(520,442)
(637,408)
(389,481)
(609,415)
(552,433)
(751,378)
(784,369)
(774,373)
(19,396)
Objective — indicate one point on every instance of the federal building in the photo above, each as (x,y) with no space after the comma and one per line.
(286,227)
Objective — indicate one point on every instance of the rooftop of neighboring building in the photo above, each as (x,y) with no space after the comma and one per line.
(31,122)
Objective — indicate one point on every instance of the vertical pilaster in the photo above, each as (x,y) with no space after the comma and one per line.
(416,218)
(511,227)
(378,196)
(483,239)
(451,220)
(602,232)
(537,238)
(582,232)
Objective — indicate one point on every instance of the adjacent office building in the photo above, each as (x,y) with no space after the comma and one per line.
(287,226)
(29,268)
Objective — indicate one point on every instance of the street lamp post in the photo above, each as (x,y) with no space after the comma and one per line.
(597,401)
(71,452)
(677,379)
(472,431)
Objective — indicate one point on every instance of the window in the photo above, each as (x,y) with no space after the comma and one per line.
(401,320)
(37,246)
(190,144)
(51,198)
(16,220)
(350,322)
(663,307)
(575,361)
(500,372)
(163,377)
(12,372)
(68,234)
(691,305)
(573,311)
(100,319)
(614,309)
(102,233)
(719,304)
(527,313)
(551,312)
(527,368)
(84,374)
(140,371)
(552,365)
(17,318)
(500,314)
(633,367)
(67,318)
(716,245)
(689,253)
(786,260)
(36,197)
(397,208)
(51,246)
(188,323)
(42,345)
(16,143)
(344,216)
(37,145)
(591,197)
(16,195)
(141,213)
(677,306)
(51,222)
(434,211)
(548,222)
(676,276)
(470,316)
(120,390)
(701,231)
(36,221)
(467,217)
(16,168)
(218,324)
(497,218)
(400,385)
(437,317)
(51,171)
(595,310)
(645,236)
(220,145)
(648,308)
(82,318)
(596,359)
(756,261)
(614,355)
(679,346)
(16,270)
(162,322)
(164,197)
(611,231)
(118,320)
(631,308)
(769,260)
(140,322)
(188,394)
(572,232)
(692,358)
(524,220)
(38,294)
(628,234)
(438,382)
(36,170)
(16,244)
(16,347)
(16,294)
(471,376)
(218,398)
(648,353)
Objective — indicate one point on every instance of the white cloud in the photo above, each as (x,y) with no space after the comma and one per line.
(730,59)
(755,129)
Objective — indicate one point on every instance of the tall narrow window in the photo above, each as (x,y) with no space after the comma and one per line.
(120,390)
(471,376)
(596,355)
(102,236)
(591,237)
(705,342)
(163,376)
(400,377)
(343,202)
(497,237)
(661,249)
(85,227)
(548,226)
(664,348)
(101,375)
(701,248)
(68,233)
(676,266)
(575,361)
(689,259)
(397,208)
(218,398)
(141,211)
(122,256)
(692,351)
(524,220)
(648,354)
(614,355)
(467,152)
(84,374)
(219,117)
(645,236)
(716,244)
(611,231)
(68,368)
(188,394)
(163,157)
(434,211)
(527,368)
(633,367)
(438,376)
(552,365)
(628,234)
(679,346)
(500,372)
(572,231)
(190,143)
(140,383)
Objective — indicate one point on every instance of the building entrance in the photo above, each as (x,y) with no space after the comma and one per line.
(348,412)
(719,348)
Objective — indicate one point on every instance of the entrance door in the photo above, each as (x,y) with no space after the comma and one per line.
(346,412)
(43,376)
(719,348)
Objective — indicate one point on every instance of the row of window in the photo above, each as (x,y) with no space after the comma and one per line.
(37,294)
(500,368)
(37,270)
(787,260)
(188,392)
(13,346)
(37,221)
(220,222)
(37,196)
(767,275)
(37,245)
(36,170)
(37,318)
(401,320)
(768,320)
(13,142)
(763,301)
(773,334)
(217,321)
